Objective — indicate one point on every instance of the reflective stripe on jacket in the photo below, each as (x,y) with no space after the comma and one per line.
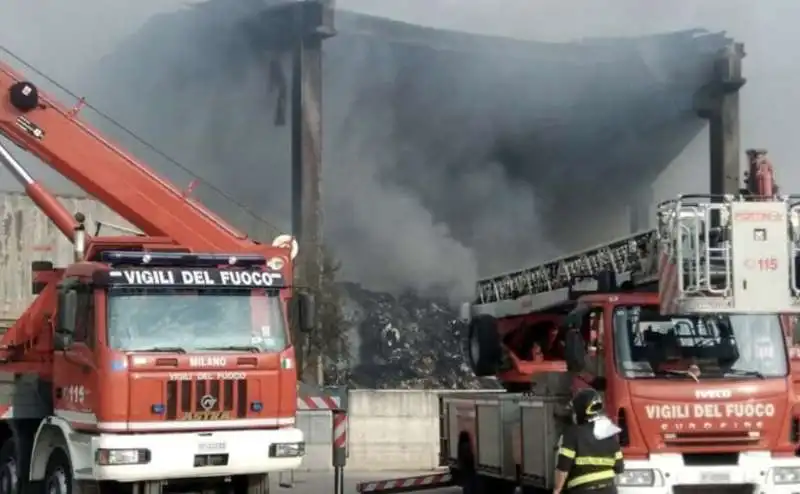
(586,459)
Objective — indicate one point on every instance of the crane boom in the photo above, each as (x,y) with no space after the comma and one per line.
(38,124)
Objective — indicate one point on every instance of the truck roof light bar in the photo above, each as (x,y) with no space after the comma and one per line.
(137,258)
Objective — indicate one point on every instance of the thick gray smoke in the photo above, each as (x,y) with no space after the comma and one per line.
(418,194)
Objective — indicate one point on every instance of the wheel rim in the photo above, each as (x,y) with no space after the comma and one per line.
(8,477)
(57,483)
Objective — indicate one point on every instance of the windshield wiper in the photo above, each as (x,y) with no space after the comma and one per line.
(673,372)
(744,372)
(164,349)
(233,348)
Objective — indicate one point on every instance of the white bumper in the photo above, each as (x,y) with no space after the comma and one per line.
(754,468)
(172,455)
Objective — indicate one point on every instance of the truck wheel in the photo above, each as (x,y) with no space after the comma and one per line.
(58,475)
(250,484)
(9,469)
(498,486)
(484,347)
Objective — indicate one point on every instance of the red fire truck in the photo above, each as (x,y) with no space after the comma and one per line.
(681,330)
(156,360)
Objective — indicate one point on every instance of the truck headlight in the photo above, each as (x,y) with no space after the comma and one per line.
(786,475)
(637,478)
(287,450)
(109,457)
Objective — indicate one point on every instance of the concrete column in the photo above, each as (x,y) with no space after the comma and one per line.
(313,21)
(718,102)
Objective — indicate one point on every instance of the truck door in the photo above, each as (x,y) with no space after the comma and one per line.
(75,367)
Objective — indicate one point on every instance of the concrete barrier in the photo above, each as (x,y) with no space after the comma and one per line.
(389,430)
(318,429)
(393,429)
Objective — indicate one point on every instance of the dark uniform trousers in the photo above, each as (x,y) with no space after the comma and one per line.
(591,464)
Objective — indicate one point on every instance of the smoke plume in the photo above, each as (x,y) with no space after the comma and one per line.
(452,180)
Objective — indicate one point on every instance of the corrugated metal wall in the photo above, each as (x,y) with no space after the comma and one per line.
(27,235)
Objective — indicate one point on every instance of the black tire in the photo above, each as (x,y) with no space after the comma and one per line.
(9,468)
(58,475)
(493,485)
(484,348)
(250,484)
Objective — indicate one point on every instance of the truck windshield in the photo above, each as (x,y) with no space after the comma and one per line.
(649,345)
(195,320)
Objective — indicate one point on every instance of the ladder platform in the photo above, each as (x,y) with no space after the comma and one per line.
(634,257)
(732,254)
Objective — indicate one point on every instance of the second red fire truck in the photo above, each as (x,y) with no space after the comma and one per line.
(682,329)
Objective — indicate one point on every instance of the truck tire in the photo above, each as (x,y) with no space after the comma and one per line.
(58,475)
(498,486)
(484,347)
(250,484)
(9,468)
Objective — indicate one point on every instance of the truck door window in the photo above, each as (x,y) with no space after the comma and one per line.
(647,344)
(593,335)
(84,324)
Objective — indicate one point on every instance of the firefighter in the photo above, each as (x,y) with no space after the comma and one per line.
(589,456)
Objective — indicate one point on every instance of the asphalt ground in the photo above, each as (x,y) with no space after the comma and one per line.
(322,482)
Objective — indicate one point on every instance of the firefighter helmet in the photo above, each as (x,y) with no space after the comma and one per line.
(586,405)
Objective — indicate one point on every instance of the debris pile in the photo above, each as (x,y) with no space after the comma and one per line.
(403,341)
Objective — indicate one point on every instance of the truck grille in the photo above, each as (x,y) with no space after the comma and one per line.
(206,399)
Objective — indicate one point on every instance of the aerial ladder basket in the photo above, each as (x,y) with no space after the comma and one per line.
(732,254)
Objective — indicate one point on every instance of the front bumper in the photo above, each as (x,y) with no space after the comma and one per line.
(754,473)
(172,455)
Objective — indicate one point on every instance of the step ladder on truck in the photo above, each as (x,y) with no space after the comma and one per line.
(680,330)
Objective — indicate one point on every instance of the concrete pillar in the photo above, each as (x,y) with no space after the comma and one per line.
(718,102)
(313,21)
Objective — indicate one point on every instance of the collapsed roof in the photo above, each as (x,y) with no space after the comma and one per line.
(458,140)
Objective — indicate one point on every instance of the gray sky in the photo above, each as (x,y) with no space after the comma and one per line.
(64,38)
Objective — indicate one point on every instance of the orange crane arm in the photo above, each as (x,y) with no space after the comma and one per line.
(38,124)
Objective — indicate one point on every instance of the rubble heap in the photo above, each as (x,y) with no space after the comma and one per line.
(404,341)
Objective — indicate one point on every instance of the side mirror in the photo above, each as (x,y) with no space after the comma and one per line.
(574,351)
(302,312)
(66,318)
